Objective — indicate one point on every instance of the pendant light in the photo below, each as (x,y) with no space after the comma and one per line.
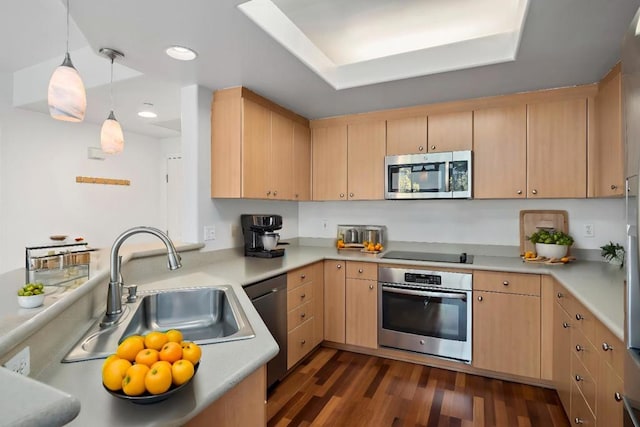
(111,137)
(66,95)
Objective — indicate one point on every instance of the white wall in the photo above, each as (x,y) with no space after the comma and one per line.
(39,160)
(463,221)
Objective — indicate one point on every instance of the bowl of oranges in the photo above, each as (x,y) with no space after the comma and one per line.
(151,368)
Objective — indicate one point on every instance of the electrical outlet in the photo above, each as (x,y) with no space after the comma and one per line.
(210,232)
(589,230)
(20,362)
(325,224)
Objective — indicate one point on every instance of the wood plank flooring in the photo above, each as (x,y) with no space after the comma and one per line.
(339,388)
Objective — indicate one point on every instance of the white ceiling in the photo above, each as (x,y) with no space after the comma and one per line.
(564,42)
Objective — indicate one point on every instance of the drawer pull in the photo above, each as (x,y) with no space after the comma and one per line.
(433,147)
(350,194)
(370,286)
(360,271)
(560,295)
(302,296)
(505,283)
(565,325)
(275,193)
(341,195)
(303,276)
(519,192)
(302,315)
(534,191)
(303,342)
(617,396)
(339,266)
(579,378)
(613,186)
(579,316)
(578,421)
(480,298)
(606,347)
(579,347)
(421,148)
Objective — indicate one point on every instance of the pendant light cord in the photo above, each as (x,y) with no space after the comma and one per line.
(67,26)
(111,84)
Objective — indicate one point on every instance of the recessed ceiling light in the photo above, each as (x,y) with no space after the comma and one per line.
(181,53)
(147,111)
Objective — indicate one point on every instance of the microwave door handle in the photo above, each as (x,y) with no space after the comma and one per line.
(447,173)
(424,293)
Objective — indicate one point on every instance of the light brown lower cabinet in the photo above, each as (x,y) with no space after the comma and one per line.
(609,398)
(562,354)
(361,313)
(334,301)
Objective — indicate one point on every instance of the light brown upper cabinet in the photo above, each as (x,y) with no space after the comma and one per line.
(253,146)
(329,154)
(407,136)
(450,131)
(348,161)
(606,150)
(557,149)
(500,152)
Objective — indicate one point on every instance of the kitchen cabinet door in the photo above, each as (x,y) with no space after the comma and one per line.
(301,162)
(407,136)
(329,171)
(609,398)
(255,150)
(500,153)
(557,149)
(281,158)
(606,150)
(562,355)
(318,303)
(361,319)
(334,301)
(365,166)
(506,333)
(450,131)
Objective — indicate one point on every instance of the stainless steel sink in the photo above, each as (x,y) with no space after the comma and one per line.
(205,315)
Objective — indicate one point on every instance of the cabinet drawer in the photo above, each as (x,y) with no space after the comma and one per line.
(299,295)
(584,381)
(563,297)
(299,315)
(299,343)
(516,283)
(580,412)
(302,275)
(611,348)
(362,270)
(585,351)
(585,321)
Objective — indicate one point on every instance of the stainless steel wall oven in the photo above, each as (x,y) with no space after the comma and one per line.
(425,311)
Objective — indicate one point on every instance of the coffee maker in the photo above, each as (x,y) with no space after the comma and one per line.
(257,227)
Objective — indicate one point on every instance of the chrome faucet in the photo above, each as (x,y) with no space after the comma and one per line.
(114,294)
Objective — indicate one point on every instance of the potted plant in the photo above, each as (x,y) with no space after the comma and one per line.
(613,253)
(551,243)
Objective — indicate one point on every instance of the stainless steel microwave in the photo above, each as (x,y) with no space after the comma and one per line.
(428,176)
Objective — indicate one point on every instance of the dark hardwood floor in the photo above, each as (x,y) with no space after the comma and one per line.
(339,388)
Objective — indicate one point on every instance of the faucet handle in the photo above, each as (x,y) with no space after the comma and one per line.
(132,293)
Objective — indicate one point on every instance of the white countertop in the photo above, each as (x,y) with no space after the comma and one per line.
(597,285)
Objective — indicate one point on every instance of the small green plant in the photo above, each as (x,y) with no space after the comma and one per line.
(551,237)
(613,252)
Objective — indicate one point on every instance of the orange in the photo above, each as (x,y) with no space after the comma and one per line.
(182,371)
(171,352)
(133,382)
(129,348)
(161,363)
(185,343)
(155,340)
(148,357)
(371,247)
(191,352)
(174,335)
(138,337)
(109,360)
(158,380)
(114,373)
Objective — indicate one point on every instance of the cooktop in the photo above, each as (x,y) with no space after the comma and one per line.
(462,258)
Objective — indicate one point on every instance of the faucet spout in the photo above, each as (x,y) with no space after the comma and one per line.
(114,293)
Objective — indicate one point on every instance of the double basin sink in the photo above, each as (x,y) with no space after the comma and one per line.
(204,315)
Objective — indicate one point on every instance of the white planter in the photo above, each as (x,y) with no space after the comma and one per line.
(550,250)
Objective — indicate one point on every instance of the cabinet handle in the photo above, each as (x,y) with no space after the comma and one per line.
(303,276)
(505,283)
(606,347)
(578,421)
(579,378)
(275,193)
(519,192)
(302,296)
(534,191)
(339,266)
(613,186)
(370,286)
(303,342)
(565,325)
(421,148)
(296,196)
(341,195)
(269,193)
(579,316)
(350,194)
(617,396)
(560,295)
(433,147)
(579,347)
(480,298)
(360,271)
(302,315)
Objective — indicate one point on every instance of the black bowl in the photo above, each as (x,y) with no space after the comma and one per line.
(149,398)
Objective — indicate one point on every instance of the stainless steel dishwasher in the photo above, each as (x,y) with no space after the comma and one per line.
(269,297)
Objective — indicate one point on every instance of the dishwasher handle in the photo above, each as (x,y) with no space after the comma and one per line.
(264,295)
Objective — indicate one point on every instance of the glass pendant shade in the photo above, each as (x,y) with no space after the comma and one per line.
(66,96)
(111,137)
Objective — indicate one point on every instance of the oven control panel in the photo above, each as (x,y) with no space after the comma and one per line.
(427,279)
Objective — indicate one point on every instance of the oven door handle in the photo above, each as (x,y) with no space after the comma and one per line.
(402,291)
